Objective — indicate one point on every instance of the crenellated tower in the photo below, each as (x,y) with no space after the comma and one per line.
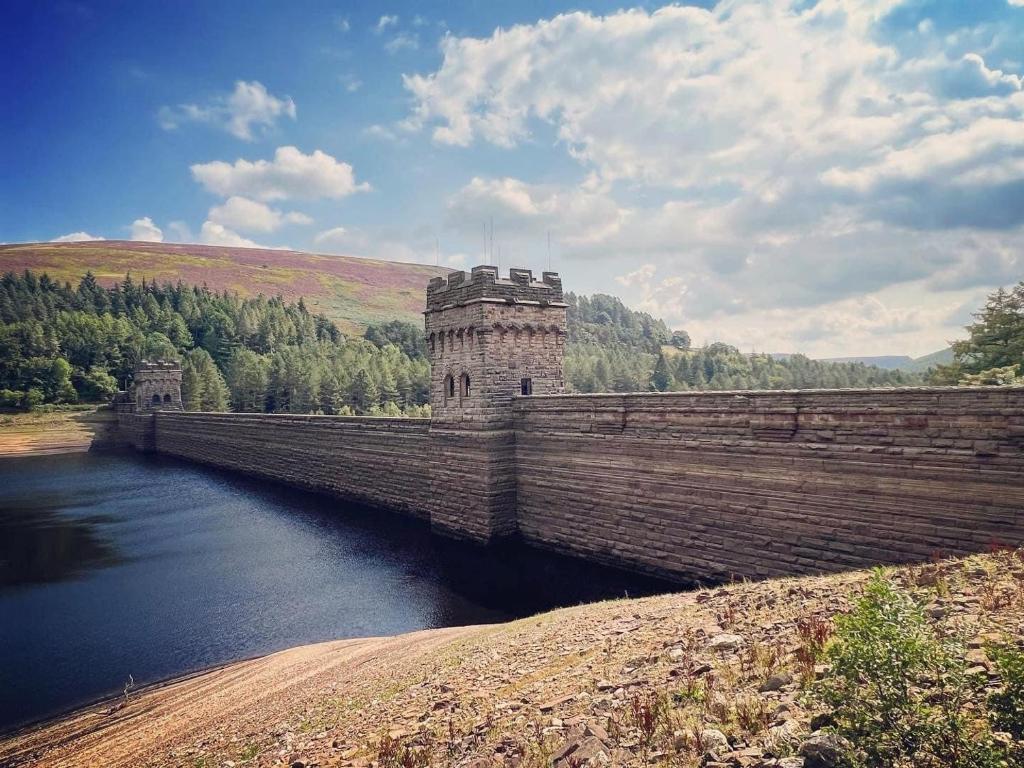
(156,386)
(491,339)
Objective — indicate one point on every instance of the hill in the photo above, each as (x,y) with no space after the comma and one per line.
(922,364)
(888,362)
(721,677)
(351,291)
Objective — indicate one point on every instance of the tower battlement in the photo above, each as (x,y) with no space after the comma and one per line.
(146,368)
(156,386)
(484,283)
(490,339)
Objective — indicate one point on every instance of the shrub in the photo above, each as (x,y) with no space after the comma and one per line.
(1007,705)
(11,398)
(900,694)
(33,399)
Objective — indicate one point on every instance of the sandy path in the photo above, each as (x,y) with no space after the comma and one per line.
(249,697)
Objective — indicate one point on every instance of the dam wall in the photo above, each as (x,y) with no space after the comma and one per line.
(755,484)
(688,486)
(376,461)
(463,483)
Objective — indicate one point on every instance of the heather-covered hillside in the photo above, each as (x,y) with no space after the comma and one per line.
(353,292)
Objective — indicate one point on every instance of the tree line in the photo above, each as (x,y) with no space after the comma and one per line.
(64,344)
(593,368)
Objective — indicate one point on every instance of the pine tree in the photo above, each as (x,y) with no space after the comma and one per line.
(662,376)
(363,392)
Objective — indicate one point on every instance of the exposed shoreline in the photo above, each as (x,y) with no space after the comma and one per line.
(49,434)
(488,693)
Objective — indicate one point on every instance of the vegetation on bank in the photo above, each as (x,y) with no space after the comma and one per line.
(898,677)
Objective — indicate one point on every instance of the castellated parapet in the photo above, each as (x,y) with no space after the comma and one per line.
(156,386)
(491,339)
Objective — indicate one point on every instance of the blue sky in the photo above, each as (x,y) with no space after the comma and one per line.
(836,177)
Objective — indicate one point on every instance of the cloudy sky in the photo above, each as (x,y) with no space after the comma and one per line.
(835,177)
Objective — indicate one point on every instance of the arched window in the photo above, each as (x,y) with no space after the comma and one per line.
(464,385)
(167,398)
(449,387)
(156,399)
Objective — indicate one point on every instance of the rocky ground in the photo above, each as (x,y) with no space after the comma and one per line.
(716,677)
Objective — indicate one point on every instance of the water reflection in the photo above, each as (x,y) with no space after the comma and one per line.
(117,565)
(38,543)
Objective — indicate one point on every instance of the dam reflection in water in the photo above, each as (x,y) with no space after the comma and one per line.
(113,565)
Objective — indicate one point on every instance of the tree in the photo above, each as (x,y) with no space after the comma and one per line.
(246,377)
(680,339)
(995,341)
(662,379)
(202,386)
(363,392)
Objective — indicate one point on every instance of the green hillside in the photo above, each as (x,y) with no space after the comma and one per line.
(351,291)
(922,364)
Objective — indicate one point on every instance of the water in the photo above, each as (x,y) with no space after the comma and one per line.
(113,565)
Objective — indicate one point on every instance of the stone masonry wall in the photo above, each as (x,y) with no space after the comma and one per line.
(712,485)
(375,461)
(462,482)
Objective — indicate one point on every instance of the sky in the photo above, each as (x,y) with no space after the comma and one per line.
(836,177)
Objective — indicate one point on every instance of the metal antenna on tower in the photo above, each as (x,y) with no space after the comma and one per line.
(549,250)
(491,257)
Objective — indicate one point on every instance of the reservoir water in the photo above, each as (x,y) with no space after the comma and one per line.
(118,565)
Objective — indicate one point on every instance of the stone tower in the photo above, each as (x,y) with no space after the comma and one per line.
(157,386)
(491,339)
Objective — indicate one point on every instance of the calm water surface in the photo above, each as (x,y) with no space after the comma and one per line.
(113,565)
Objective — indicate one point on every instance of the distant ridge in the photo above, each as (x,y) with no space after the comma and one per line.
(352,291)
(889,362)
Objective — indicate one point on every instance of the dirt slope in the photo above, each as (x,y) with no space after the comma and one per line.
(516,694)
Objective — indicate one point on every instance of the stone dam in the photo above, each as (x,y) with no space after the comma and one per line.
(686,486)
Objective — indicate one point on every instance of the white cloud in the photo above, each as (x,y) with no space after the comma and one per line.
(758,155)
(144,230)
(336,239)
(247,215)
(291,174)
(343,24)
(419,247)
(526,212)
(350,82)
(213,233)
(179,232)
(640,276)
(249,106)
(403,41)
(76,237)
(384,22)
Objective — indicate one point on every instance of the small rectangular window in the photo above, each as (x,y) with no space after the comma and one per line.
(526,386)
